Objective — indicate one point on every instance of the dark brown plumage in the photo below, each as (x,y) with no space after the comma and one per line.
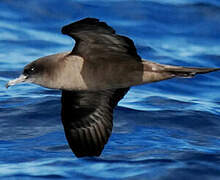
(92,111)
(93,78)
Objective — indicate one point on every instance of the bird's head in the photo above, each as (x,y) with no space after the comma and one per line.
(58,71)
(41,71)
(32,73)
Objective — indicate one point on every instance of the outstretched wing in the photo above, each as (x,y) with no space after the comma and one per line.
(87,119)
(96,40)
(87,116)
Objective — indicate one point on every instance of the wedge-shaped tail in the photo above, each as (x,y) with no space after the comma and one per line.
(157,72)
(187,72)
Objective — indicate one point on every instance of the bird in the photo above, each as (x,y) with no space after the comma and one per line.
(93,77)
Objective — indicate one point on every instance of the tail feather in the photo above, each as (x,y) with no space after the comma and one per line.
(154,72)
(188,72)
(176,71)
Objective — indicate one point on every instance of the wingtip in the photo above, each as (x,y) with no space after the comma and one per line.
(89,20)
(87,154)
(88,24)
(6,86)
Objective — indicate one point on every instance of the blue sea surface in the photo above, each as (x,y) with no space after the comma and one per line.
(168,130)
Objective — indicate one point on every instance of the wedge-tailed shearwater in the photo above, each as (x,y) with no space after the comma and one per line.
(93,78)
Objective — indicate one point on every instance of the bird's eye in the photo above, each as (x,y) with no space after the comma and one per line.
(29,71)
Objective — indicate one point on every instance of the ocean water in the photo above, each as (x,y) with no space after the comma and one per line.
(168,130)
